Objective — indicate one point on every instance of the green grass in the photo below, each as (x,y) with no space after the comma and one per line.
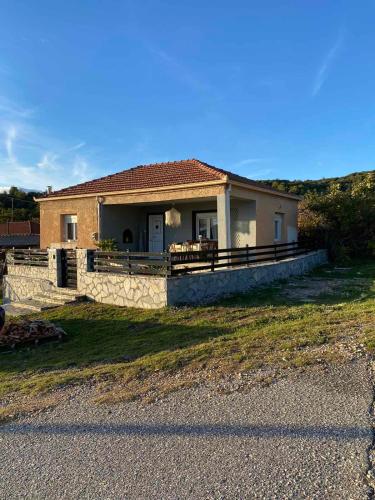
(130,352)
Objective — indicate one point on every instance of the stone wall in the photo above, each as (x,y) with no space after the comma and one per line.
(153,292)
(22,282)
(149,292)
(207,287)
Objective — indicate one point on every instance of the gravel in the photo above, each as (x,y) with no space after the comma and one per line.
(305,436)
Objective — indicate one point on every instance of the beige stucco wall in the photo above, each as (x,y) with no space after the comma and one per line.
(252,216)
(243,222)
(266,207)
(51,221)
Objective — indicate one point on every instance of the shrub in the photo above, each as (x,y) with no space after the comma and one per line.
(342,221)
(108,245)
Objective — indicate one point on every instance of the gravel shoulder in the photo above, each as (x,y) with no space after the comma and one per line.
(305,436)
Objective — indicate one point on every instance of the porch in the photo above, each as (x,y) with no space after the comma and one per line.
(180,225)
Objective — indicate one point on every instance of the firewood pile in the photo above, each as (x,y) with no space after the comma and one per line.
(17,333)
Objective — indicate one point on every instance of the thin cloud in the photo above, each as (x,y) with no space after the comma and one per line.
(179,70)
(328,60)
(78,146)
(10,136)
(249,161)
(262,174)
(11,110)
(30,157)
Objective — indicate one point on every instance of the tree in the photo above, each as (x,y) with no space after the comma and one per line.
(341,220)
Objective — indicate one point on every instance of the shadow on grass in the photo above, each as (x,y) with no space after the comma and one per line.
(92,341)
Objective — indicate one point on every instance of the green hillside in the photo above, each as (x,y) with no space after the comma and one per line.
(320,186)
(24,206)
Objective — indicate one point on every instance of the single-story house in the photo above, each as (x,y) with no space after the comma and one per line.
(19,234)
(153,207)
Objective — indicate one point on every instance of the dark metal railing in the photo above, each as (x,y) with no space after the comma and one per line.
(27,257)
(156,263)
(176,263)
(210,260)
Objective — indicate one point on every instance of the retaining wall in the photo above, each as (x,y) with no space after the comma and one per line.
(148,292)
(207,287)
(22,282)
(153,292)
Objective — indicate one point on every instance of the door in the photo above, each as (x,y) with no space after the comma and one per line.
(156,233)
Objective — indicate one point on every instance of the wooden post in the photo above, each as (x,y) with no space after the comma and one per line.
(213,261)
(128,260)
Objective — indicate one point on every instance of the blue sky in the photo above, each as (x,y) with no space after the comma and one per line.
(263,88)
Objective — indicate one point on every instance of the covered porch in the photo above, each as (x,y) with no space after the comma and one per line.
(179,225)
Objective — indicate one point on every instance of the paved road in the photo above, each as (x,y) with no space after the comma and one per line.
(302,437)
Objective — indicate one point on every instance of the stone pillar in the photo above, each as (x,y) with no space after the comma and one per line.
(223,219)
(54,266)
(82,266)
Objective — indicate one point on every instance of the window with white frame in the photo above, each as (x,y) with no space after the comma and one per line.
(206,225)
(70,227)
(278,227)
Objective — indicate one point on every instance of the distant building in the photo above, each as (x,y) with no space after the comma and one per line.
(20,234)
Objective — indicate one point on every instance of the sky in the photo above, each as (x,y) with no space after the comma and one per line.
(264,88)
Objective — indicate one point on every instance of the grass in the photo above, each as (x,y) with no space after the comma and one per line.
(131,353)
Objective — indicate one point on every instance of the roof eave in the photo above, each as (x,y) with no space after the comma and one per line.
(175,187)
(258,187)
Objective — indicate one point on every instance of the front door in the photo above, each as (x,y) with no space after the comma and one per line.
(156,233)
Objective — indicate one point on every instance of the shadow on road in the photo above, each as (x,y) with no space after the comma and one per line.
(338,433)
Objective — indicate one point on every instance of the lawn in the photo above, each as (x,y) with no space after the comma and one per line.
(131,353)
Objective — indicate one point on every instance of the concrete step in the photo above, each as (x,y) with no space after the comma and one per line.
(49,299)
(34,305)
(53,299)
(14,310)
(64,291)
(77,297)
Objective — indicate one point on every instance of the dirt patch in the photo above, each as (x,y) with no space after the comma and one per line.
(308,289)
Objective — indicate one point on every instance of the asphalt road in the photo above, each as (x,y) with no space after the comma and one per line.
(302,437)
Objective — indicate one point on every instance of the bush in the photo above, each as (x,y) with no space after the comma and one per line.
(109,245)
(342,221)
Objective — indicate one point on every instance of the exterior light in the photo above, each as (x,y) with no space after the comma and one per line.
(173,217)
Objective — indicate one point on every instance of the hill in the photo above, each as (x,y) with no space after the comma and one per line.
(24,206)
(319,186)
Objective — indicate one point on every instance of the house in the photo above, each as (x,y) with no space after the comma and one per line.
(19,234)
(152,207)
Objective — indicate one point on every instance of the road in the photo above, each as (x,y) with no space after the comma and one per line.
(305,436)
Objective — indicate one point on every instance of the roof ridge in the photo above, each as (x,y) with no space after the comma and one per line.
(210,168)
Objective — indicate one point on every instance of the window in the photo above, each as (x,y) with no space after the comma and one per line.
(278,227)
(70,227)
(206,225)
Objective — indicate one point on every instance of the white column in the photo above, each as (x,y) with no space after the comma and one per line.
(223,219)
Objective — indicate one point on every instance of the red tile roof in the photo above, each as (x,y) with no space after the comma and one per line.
(156,175)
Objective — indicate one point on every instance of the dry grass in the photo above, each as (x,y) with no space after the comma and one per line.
(128,353)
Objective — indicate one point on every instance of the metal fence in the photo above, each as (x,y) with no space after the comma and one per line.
(211,260)
(131,262)
(29,257)
(176,263)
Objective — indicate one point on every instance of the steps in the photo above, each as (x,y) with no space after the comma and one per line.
(50,299)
